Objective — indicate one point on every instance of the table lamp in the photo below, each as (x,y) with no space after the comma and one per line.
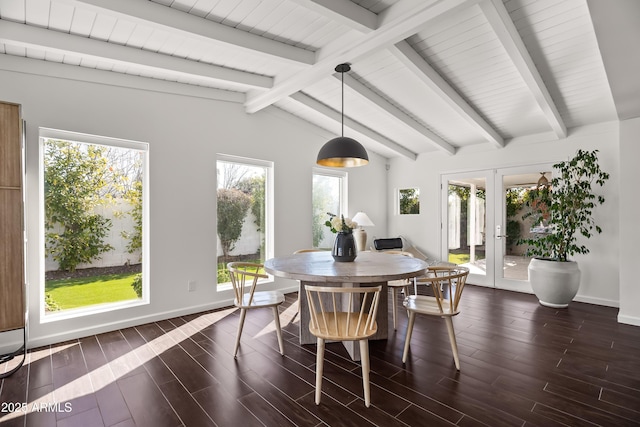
(359,234)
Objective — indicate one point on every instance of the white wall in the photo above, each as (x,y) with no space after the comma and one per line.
(184,134)
(121,221)
(629,221)
(600,280)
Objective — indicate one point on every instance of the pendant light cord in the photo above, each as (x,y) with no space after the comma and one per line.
(342,103)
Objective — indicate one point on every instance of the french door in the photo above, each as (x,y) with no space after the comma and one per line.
(482,222)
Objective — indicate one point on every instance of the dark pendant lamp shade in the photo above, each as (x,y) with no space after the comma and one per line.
(342,152)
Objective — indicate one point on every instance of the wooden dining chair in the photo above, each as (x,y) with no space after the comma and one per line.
(343,314)
(244,279)
(397,286)
(447,283)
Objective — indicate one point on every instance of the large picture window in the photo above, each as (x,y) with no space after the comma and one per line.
(244,211)
(94,222)
(329,195)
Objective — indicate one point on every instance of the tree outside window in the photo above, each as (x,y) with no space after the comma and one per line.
(409,199)
(242,214)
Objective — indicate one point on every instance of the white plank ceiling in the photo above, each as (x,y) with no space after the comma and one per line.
(427,75)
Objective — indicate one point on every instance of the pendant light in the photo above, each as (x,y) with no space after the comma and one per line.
(342,152)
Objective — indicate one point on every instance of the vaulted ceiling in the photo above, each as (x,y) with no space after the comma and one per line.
(426,75)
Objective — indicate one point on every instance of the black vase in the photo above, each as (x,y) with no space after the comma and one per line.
(344,248)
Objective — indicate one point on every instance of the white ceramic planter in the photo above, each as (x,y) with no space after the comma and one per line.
(554,283)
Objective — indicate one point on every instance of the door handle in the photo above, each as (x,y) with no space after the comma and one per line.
(498,231)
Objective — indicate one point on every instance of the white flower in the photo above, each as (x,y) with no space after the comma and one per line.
(340,223)
(350,223)
(336,222)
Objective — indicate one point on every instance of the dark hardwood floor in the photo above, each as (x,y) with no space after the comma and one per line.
(521,364)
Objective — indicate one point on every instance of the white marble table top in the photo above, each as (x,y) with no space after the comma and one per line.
(368,267)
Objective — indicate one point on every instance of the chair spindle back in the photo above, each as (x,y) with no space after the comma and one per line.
(244,278)
(447,284)
(343,313)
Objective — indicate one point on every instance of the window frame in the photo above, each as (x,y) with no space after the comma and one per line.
(83,138)
(269,201)
(344,187)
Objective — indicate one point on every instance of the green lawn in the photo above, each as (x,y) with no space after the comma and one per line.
(84,291)
(459,258)
(223,273)
(462,258)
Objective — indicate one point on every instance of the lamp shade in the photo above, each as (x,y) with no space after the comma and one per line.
(363,220)
(342,152)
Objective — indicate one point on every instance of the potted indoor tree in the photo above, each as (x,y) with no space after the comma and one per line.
(561,213)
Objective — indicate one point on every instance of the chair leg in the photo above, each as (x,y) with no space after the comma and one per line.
(276,316)
(452,338)
(394,310)
(366,367)
(412,319)
(243,313)
(319,369)
(406,294)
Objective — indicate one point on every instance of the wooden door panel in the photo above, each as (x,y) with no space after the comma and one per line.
(10,150)
(11,271)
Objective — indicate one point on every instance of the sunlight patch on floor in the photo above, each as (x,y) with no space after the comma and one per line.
(115,369)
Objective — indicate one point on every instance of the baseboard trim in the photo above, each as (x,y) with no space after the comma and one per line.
(112,326)
(629,320)
(141,320)
(597,301)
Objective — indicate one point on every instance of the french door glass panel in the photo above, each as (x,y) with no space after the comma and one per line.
(468,221)
(513,186)
(482,222)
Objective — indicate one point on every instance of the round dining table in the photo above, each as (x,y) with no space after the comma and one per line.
(368,269)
